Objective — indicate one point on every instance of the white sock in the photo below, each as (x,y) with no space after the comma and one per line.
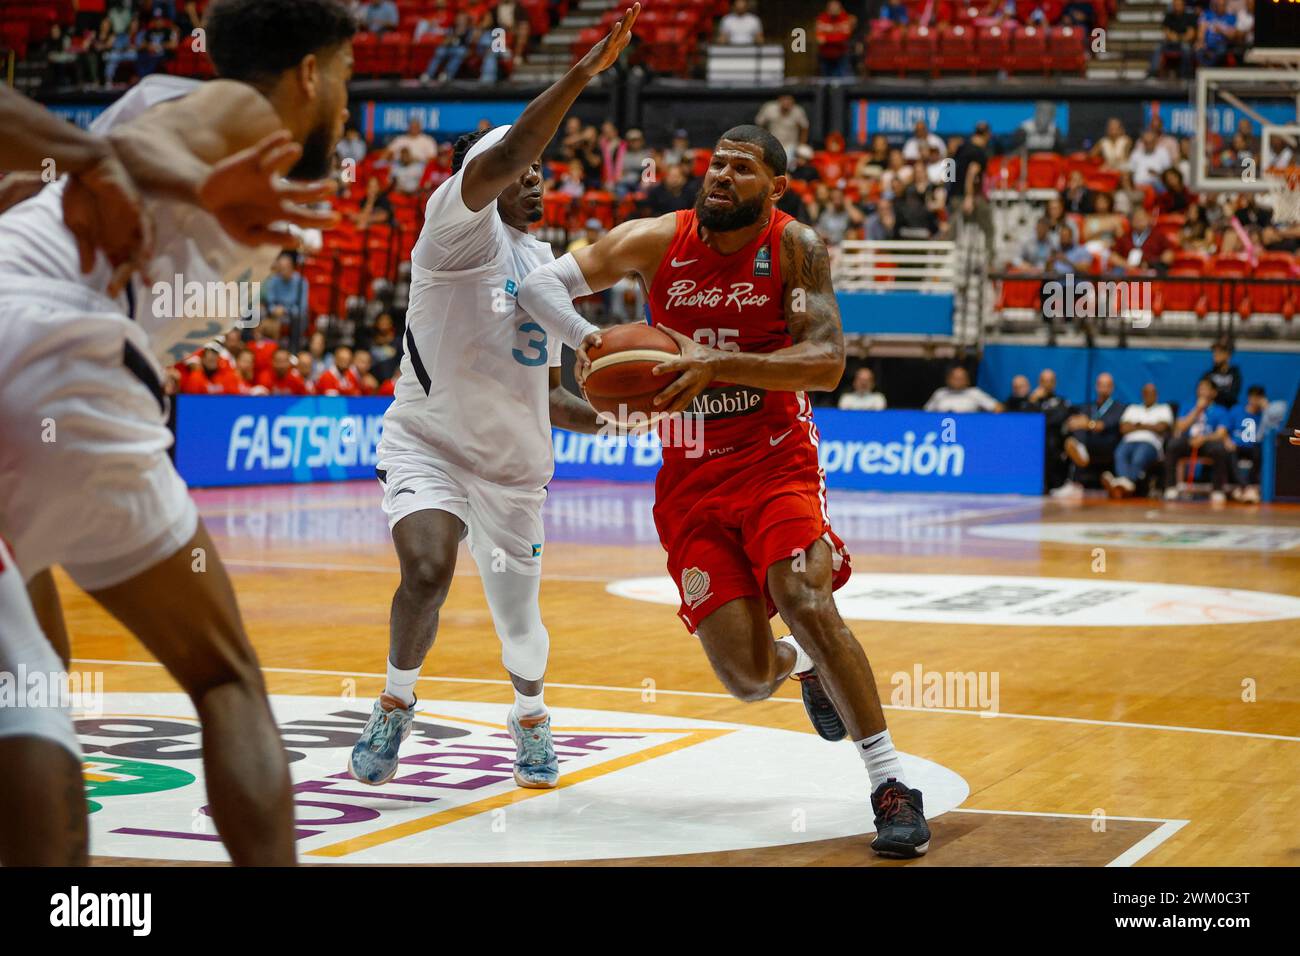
(802,662)
(881,758)
(401,684)
(529,706)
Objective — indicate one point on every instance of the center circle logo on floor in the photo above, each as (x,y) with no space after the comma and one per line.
(632,785)
(1190,537)
(1026,601)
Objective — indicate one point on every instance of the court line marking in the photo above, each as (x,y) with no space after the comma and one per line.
(394,570)
(443,817)
(716,695)
(1168,827)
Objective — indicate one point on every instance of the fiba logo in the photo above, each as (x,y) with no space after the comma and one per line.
(695,586)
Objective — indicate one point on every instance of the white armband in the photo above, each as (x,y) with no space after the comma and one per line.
(547,295)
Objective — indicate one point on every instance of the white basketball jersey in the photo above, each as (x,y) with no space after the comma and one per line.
(475,385)
(188,242)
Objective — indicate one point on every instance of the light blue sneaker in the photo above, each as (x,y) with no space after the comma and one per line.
(374,758)
(536,766)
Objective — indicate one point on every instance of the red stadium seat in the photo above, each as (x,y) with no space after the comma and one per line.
(957,51)
(920,47)
(1046,171)
(1029,53)
(1066,46)
(1179,296)
(994,46)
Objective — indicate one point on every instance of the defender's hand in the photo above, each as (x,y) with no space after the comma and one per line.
(582,367)
(605,53)
(247,193)
(698,366)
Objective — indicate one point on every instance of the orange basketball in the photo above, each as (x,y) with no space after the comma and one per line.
(621,385)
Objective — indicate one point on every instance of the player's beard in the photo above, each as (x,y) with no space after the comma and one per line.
(314,163)
(739,216)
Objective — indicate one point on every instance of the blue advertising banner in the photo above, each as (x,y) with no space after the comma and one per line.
(1179,118)
(895,118)
(236,440)
(230,440)
(896,312)
(442,119)
(82,114)
(869,451)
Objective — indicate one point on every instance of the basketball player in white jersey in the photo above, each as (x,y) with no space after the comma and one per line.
(84,476)
(466,448)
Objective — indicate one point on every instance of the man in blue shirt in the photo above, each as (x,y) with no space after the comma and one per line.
(1202,433)
(1218,28)
(284,297)
(1247,430)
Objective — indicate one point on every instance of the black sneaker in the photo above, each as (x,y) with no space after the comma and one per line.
(901,830)
(825,718)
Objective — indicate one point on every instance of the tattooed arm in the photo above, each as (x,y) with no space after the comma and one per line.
(814,362)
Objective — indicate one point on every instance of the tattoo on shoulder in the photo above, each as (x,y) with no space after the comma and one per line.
(811,309)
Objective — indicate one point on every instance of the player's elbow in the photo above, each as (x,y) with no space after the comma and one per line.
(829,370)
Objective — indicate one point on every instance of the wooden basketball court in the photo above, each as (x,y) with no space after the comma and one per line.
(1170,743)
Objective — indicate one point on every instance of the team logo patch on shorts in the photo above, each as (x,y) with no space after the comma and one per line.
(695,586)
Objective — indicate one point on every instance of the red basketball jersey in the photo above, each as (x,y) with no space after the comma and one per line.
(735,303)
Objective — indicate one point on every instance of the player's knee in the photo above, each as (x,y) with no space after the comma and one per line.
(747,687)
(428,578)
(525,649)
(804,605)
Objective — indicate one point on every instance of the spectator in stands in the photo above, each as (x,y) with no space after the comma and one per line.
(1247,430)
(1019,400)
(352,146)
(436,24)
(204,375)
(636,160)
(612,148)
(1055,410)
(671,193)
(415,140)
(513,18)
(882,224)
(1217,30)
(786,120)
(383,346)
(340,379)
(863,397)
(1114,147)
(1078,13)
(837,217)
(1175,198)
(571,181)
(362,368)
(1040,133)
(380,16)
(303,366)
(1180,30)
(802,167)
(157,43)
(1243,13)
(1068,256)
(680,151)
(1128,197)
(1077,198)
(1091,434)
(489,40)
(282,378)
(284,298)
(1143,428)
(958,395)
(918,144)
(970,161)
(118,48)
(1039,248)
(1142,247)
(234,345)
(1225,376)
(1057,215)
(451,53)
(592,230)
(1247,211)
(626,300)
(893,11)
(834,28)
(319,361)
(376,209)
(1103,223)
(1204,433)
(916,219)
(65,55)
(406,172)
(740,26)
(1148,159)
(244,380)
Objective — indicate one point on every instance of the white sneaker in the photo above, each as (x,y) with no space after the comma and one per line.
(1217,497)
(1126,484)
(1171,494)
(1250,495)
(1071,491)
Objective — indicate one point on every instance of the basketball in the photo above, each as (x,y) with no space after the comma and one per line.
(621,385)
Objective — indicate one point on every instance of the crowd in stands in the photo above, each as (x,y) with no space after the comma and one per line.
(1125,448)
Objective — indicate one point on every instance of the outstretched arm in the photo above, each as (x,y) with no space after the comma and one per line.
(570,412)
(815,360)
(505,162)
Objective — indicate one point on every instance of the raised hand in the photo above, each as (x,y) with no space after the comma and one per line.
(249,196)
(605,53)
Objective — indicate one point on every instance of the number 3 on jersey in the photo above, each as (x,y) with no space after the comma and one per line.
(536,344)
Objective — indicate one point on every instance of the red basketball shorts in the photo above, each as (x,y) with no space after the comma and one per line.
(725,520)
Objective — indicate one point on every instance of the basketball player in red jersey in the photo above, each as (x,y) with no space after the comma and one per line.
(746,292)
